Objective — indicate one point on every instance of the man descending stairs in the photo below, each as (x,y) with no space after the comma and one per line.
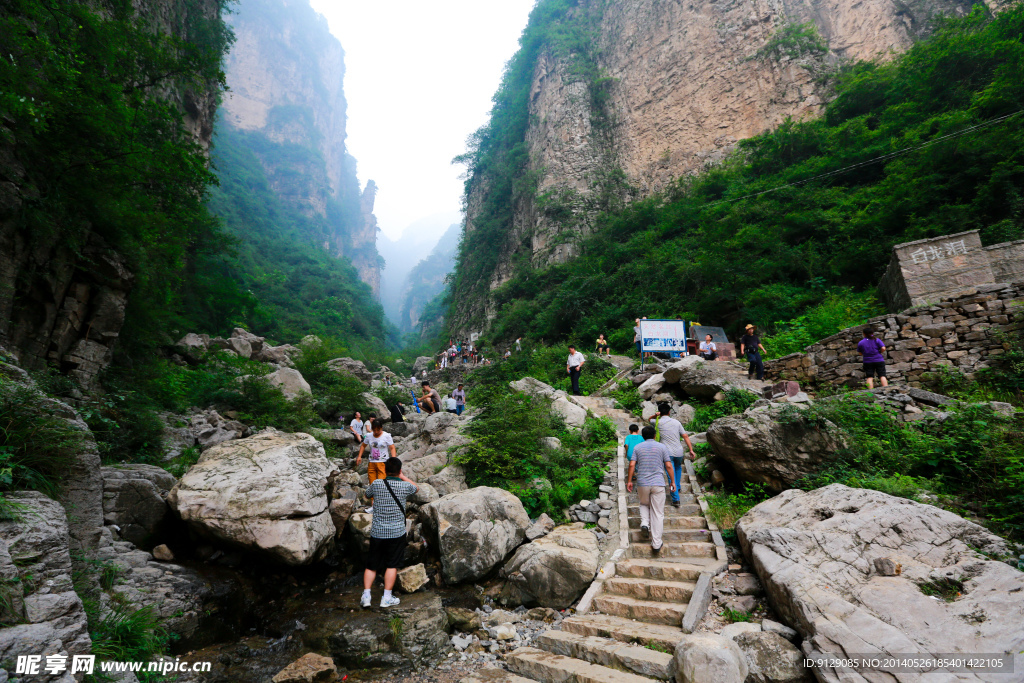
(637,618)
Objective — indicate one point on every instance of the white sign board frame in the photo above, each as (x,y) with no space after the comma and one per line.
(662,336)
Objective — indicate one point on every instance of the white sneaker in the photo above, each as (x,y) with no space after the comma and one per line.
(389,602)
(365,602)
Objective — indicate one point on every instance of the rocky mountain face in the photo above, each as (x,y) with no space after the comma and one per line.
(285,74)
(668,89)
(63,304)
(427,280)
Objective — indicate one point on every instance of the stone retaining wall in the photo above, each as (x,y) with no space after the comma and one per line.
(963,333)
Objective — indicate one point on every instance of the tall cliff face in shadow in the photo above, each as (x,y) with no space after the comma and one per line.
(607,102)
(285,75)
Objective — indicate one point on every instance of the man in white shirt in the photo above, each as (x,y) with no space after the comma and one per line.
(573,366)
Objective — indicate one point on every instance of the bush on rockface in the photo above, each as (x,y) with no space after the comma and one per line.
(505,451)
(972,458)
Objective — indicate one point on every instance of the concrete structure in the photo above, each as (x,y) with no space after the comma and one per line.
(927,271)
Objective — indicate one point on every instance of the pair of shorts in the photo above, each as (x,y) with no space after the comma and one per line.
(375,471)
(386,553)
(874,369)
(602,348)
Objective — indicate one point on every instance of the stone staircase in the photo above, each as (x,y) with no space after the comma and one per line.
(628,631)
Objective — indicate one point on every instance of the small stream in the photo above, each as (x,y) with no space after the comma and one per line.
(266,617)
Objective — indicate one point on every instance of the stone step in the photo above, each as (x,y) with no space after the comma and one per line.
(611,653)
(674,550)
(551,668)
(694,522)
(624,630)
(650,589)
(493,675)
(674,536)
(668,613)
(665,570)
(670,510)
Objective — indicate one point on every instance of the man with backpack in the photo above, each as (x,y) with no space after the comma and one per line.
(387,531)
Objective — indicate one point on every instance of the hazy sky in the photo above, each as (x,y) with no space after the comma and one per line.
(419,79)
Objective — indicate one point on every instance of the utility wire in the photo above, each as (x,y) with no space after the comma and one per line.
(884,157)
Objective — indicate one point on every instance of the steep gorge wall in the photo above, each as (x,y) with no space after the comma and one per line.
(285,75)
(62,304)
(681,84)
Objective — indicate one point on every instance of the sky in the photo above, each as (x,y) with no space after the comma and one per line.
(419,79)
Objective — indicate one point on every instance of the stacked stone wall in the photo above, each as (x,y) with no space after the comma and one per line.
(965,333)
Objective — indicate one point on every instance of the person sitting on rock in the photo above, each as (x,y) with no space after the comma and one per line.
(430,400)
(708,350)
(387,530)
(356,426)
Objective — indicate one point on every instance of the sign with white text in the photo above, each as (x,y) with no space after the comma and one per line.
(663,336)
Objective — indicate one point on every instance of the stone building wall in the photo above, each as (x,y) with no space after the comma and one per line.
(965,333)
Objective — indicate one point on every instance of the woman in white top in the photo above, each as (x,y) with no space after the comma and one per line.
(356,427)
(708,350)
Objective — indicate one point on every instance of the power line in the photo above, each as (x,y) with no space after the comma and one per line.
(884,157)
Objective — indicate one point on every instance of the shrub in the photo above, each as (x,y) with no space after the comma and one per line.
(37,443)
(725,509)
(735,401)
(626,395)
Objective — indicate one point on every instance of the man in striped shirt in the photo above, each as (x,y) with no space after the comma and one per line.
(651,462)
(387,530)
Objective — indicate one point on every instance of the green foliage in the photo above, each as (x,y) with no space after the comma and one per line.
(181,464)
(742,242)
(89,96)
(736,616)
(505,450)
(335,392)
(277,278)
(974,456)
(627,396)
(946,589)
(38,444)
(125,426)
(794,41)
(839,310)
(725,509)
(735,401)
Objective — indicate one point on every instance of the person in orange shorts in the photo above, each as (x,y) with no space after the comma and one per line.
(381,447)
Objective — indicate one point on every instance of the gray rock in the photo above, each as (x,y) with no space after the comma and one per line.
(763,449)
(769,626)
(211,429)
(476,530)
(707,658)
(352,368)
(747,584)
(555,570)
(35,569)
(814,553)
(652,386)
(460,643)
(448,481)
(550,443)
(133,500)
(425,493)
(927,397)
(733,630)
(772,659)
(411,579)
(539,528)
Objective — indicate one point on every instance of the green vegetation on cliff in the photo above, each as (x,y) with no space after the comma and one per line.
(807,210)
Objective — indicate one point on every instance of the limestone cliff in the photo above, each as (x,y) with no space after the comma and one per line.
(285,76)
(667,88)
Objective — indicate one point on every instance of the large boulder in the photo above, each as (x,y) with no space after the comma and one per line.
(772,659)
(422,363)
(193,346)
(707,658)
(651,386)
(178,435)
(570,410)
(377,406)
(255,343)
(476,530)
(35,584)
(449,480)
(266,493)
(290,381)
(765,449)
(280,355)
(554,570)
(351,367)
(703,379)
(133,500)
(853,570)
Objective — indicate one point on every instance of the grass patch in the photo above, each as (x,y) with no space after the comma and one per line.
(945,589)
(735,616)
(725,509)
(735,401)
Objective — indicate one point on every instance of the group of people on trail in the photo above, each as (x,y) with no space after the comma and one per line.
(468,352)
(656,455)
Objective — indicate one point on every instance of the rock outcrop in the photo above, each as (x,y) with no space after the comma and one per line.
(822,557)
(266,493)
(554,570)
(351,367)
(567,407)
(476,530)
(133,500)
(35,583)
(773,445)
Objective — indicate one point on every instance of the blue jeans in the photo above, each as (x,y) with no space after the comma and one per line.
(677,465)
(459,409)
